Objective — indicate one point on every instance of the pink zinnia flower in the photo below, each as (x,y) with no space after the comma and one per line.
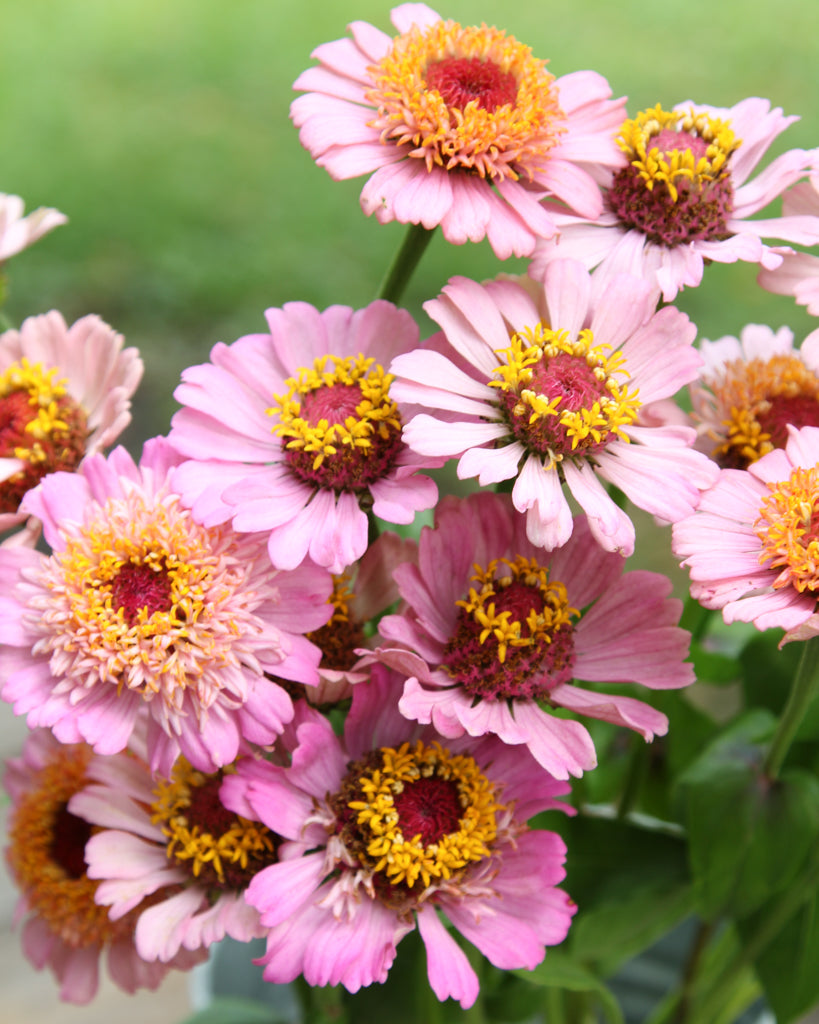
(544,385)
(751,547)
(460,127)
(798,274)
(65,929)
(751,388)
(65,392)
(141,611)
(494,632)
(295,433)
(685,197)
(18,232)
(172,840)
(386,828)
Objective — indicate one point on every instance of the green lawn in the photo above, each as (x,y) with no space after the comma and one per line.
(161,129)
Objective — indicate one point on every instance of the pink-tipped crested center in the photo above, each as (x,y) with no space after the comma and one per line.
(463,80)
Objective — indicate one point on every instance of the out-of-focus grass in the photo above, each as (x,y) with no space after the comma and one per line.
(161,128)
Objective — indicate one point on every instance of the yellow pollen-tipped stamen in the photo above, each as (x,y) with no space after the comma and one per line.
(616,408)
(405,859)
(788,526)
(375,412)
(677,165)
(540,625)
(744,391)
(188,843)
(505,142)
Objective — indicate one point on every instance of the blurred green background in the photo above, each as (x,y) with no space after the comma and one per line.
(161,128)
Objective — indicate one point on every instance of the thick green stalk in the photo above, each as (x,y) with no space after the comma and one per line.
(406,260)
(802,692)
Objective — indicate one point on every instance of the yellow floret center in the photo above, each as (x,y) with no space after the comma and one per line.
(549,609)
(219,845)
(564,396)
(758,398)
(704,160)
(339,423)
(394,798)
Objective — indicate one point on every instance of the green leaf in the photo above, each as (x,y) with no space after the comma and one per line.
(714,667)
(559,970)
(787,966)
(233,1010)
(748,836)
(631,885)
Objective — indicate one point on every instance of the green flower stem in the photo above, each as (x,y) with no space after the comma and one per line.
(801,695)
(321,1005)
(711,1006)
(406,260)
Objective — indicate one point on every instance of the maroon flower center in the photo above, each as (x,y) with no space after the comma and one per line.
(463,80)
(430,808)
(781,410)
(689,210)
(513,636)
(69,836)
(138,587)
(340,428)
(44,446)
(220,849)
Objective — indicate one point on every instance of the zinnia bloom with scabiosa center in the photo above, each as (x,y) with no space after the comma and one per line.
(307,433)
(457,126)
(751,547)
(385,828)
(140,611)
(751,389)
(65,928)
(686,197)
(65,392)
(173,840)
(494,632)
(543,384)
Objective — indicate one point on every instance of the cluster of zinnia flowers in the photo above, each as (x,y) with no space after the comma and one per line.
(193,622)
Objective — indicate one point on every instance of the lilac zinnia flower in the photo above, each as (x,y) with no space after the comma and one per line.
(65,928)
(384,829)
(65,392)
(141,611)
(543,385)
(686,197)
(494,632)
(752,549)
(460,127)
(295,433)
